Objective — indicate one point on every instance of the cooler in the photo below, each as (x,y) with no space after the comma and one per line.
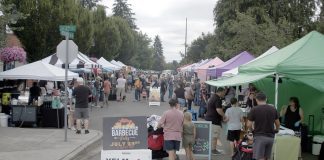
(317,141)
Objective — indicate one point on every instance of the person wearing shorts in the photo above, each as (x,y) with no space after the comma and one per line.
(264,117)
(81,112)
(234,119)
(172,123)
(215,114)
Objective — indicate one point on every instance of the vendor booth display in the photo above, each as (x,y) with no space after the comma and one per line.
(50,114)
(295,70)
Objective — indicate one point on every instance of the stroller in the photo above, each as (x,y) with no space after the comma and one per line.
(155,142)
(243,149)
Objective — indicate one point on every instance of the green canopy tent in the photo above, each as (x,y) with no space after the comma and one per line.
(300,66)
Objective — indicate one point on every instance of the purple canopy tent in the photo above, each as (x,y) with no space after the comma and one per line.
(236,61)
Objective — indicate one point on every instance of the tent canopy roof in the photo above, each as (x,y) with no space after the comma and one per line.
(302,61)
(236,61)
(80,60)
(107,65)
(234,71)
(38,70)
(214,62)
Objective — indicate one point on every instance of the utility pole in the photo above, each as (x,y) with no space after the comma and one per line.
(185,55)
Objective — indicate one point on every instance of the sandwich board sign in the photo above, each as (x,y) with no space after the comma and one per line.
(155,96)
(125,138)
(202,147)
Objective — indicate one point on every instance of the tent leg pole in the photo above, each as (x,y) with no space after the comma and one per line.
(276,91)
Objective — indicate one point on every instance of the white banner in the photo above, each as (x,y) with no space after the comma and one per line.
(142,154)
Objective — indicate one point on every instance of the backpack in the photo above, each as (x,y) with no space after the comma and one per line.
(155,143)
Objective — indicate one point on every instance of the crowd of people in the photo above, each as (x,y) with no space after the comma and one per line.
(221,107)
(218,105)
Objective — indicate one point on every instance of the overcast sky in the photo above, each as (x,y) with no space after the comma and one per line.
(167,18)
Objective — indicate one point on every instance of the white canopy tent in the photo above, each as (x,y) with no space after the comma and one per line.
(107,65)
(38,71)
(117,63)
(82,61)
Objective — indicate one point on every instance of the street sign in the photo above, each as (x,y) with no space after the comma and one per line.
(72,51)
(67,28)
(69,34)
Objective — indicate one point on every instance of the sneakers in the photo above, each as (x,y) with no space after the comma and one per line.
(216,152)
(78,132)
(73,128)
(86,132)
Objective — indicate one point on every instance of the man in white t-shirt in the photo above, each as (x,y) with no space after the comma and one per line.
(121,83)
(234,119)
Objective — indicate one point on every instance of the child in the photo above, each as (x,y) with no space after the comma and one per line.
(234,117)
(189,135)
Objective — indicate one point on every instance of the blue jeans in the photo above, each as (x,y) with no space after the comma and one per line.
(137,94)
(170,91)
(189,103)
(182,102)
(202,110)
(162,93)
(196,100)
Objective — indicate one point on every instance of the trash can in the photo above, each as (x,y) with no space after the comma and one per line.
(317,142)
(3,120)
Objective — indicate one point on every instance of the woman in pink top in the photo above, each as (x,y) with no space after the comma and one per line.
(172,123)
(107,87)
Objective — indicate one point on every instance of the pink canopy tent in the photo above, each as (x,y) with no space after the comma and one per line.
(202,70)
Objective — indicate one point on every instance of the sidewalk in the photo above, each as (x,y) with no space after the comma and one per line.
(31,144)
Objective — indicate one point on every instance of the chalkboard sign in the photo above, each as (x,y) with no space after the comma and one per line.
(202,147)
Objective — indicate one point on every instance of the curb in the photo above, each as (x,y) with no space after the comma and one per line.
(83,148)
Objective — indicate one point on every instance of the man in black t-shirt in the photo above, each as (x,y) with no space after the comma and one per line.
(264,117)
(81,93)
(34,93)
(215,114)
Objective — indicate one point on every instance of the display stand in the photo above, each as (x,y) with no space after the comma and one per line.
(203,141)
(155,97)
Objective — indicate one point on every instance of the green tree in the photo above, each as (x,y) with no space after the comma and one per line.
(320,21)
(9,15)
(89,3)
(107,39)
(174,65)
(197,49)
(144,52)
(40,34)
(257,25)
(122,9)
(127,35)
(158,57)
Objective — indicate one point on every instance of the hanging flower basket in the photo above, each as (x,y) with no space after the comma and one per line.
(11,54)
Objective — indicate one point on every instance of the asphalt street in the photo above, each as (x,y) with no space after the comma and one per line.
(127,108)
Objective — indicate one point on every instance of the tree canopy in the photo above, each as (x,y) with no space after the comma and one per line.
(97,35)
(158,57)
(255,26)
(122,9)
